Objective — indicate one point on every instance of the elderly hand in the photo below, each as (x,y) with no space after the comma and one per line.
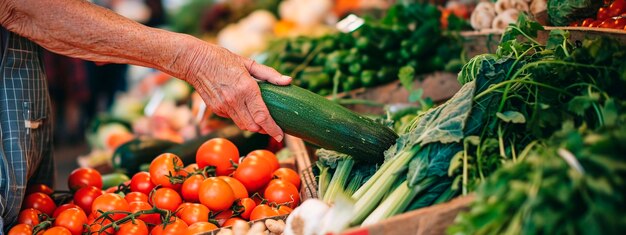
(226,83)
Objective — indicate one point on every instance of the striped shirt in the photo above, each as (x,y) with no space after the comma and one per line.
(25,124)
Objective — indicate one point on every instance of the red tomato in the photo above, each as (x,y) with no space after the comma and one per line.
(238,188)
(193,213)
(83,177)
(29,216)
(136,197)
(246,206)
(96,226)
(254,173)
(153,218)
(262,211)
(191,168)
(216,194)
(283,210)
(574,24)
(587,22)
(200,228)
(595,24)
(220,153)
(268,156)
(619,23)
(288,175)
(617,8)
(166,198)
(231,221)
(136,227)
(603,13)
(223,216)
(190,188)
(164,166)
(281,192)
(72,219)
(175,227)
(65,207)
(85,196)
(39,188)
(57,230)
(21,229)
(607,24)
(141,183)
(41,202)
(109,202)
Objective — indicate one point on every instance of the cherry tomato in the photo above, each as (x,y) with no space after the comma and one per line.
(85,196)
(619,23)
(200,228)
(193,213)
(587,22)
(266,155)
(254,173)
(136,227)
(238,188)
(281,192)
(141,183)
(191,168)
(153,218)
(72,219)
(166,198)
(164,166)
(65,207)
(29,216)
(595,24)
(288,175)
(574,24)
(175,227)
(41,202)
(246,206)
(39,188)
(110,202)
(283,210)
(216,194)
(231,221)
(617,8)
(57,230)
(83,177)
(190,188)
(223,216)
(262,211)
(21,229)
(220,153)
(136,197)
(603,13)
(96,226)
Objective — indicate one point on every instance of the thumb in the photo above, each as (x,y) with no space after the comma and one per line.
(265,73)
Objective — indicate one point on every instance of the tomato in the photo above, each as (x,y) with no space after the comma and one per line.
(289,175)
(283,210)
(193,213)
(41,202)
(83,177)
(200,228)
(619,23)
(254,173)
(595,24)
(21,229)
(191,168)
(39,188)
(95,226)
(72,219)
(617,8)
(267,156)
(136,197)
(608,24)
(281,192)
(141,183)
(220,153)
(65,207)
(175,227)
(246,206)
(262,211)
(216,194)
(29,216)
(57,230)
(190,188)
(223,216)
(164,166)
(109,202)
(231,221)
(166,198)
(153,218)
(603,13)
(85,196)
(136,227)
(587,22)
(238,188)
(574,24)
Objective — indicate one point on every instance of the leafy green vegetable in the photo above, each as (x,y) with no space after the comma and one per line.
(563,12)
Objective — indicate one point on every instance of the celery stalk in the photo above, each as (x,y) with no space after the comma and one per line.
(340,178)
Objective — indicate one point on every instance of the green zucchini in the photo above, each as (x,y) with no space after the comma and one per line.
(129,156)
(313,118)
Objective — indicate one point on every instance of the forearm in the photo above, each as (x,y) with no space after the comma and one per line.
(80,29)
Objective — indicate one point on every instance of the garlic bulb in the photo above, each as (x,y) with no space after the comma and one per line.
(503,5)
(505,18)
(483,15)
(537,6)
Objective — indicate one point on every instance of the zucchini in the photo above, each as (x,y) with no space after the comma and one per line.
(129,156)
(313,118)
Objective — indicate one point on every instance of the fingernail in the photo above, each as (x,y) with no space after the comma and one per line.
(278,138)
(286,78)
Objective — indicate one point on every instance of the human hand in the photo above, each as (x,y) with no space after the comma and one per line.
(225,81)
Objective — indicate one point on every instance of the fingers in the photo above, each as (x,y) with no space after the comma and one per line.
(262,117)
(265,73)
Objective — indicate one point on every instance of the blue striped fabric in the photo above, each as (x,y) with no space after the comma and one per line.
(25,124)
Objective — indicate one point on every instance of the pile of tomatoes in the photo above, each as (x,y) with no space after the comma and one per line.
(612,16)
(216,191)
